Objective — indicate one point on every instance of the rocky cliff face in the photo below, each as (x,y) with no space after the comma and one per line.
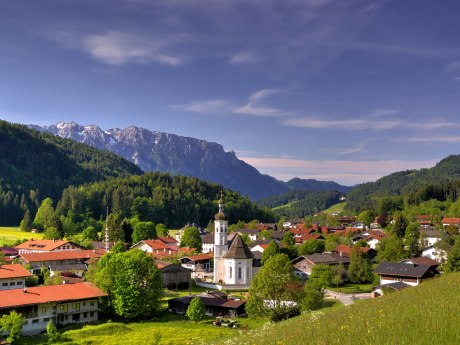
(158,151)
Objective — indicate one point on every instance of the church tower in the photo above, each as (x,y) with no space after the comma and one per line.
(220,241)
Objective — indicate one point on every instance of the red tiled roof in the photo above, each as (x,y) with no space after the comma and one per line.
(43,245)
(199,257)
(13,271)
(59,256)
(167,239)
(347,249)
(450,220)
(47,294)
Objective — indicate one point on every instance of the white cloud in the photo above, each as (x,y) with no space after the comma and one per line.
(430,139)
(383,112)
(342,171)
(117,47)
(453,66)
(350,151)
(243,57)
(254,108)
(204,106)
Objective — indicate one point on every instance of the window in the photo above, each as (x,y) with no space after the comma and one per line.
(91,303)
(35,321)
(43,309)
(230,272)
(5,284)
(64,307)
(12,283)
(18,283)
(247,273)
(91,314)
(84,303)
(85,315)
(76,306)
(239,273)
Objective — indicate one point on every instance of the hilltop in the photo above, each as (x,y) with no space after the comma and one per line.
(426,314)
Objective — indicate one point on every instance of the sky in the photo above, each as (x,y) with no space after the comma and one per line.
(347,91)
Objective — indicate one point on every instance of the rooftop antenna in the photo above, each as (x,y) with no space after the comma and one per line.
(106,237)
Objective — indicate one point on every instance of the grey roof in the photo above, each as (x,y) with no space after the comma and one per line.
(238,250)
(278,235)
(68,267)
(324,258)
(401,269)
(208,238)
(395,286)
(248,231)
(431,233)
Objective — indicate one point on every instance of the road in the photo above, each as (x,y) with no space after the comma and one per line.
(346,299)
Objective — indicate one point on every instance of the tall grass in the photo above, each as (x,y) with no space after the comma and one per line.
(427,314)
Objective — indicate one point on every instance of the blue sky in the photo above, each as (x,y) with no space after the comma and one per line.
(328,89)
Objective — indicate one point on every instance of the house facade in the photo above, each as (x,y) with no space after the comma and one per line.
(13,276)
(43,246)
(305,263)
(64,304)
(411,274)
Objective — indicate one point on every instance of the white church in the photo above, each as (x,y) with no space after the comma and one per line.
(233,265)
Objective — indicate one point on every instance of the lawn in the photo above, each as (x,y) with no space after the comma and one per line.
(336,208)
(169,329)
(9,235)
(426,314)
(353,288)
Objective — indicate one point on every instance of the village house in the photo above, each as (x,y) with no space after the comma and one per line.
(191,262)
(174,277)
(162,247)
(305,263)
(42,246)
(201,230)
(345,251)
(13,276)
(430,237)
(216,303)
(64,304)
(434,253)
(408,273)
(451,221)
(252,233)
(66,261)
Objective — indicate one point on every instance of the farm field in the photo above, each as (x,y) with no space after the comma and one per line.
(427,314)
(9,235)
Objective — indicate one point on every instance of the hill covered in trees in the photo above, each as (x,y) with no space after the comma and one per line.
(156,197)
(36,165)
(438,179)
(300,203)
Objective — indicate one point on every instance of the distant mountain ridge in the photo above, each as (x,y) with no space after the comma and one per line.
(164,152)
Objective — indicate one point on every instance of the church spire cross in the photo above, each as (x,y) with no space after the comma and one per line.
(221,202)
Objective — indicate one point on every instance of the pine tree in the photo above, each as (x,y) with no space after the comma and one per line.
(26,223)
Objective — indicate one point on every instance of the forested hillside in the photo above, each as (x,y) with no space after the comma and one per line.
(36,165)
(405,183)
(300,203)
(156,197)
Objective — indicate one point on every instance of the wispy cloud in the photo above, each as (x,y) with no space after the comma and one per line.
(349,124)
(450,139)
(116,47)
(453,66)
(254,108)
(350,151)
(243,57)
(204,106)
(383,112)
(366,124)
(343,171)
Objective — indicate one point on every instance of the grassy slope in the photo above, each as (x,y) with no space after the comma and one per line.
(428,314)
(284,206)
(11,234)
(336,208)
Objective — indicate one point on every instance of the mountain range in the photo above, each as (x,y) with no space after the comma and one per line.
(164,152)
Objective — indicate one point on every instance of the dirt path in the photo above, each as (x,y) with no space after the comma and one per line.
(346,299)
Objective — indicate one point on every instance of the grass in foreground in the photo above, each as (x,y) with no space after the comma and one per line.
(427,314)
(9,235)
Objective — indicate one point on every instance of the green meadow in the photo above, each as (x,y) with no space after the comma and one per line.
(9,235)
(336,208)
(428,314)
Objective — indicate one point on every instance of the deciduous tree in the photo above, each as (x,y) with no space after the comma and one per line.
(144,231)
(191,238)
(270,251)
(360,269)
(196,310)
(12,324)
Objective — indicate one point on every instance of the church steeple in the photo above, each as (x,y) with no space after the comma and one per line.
(220,215)
(220,240)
